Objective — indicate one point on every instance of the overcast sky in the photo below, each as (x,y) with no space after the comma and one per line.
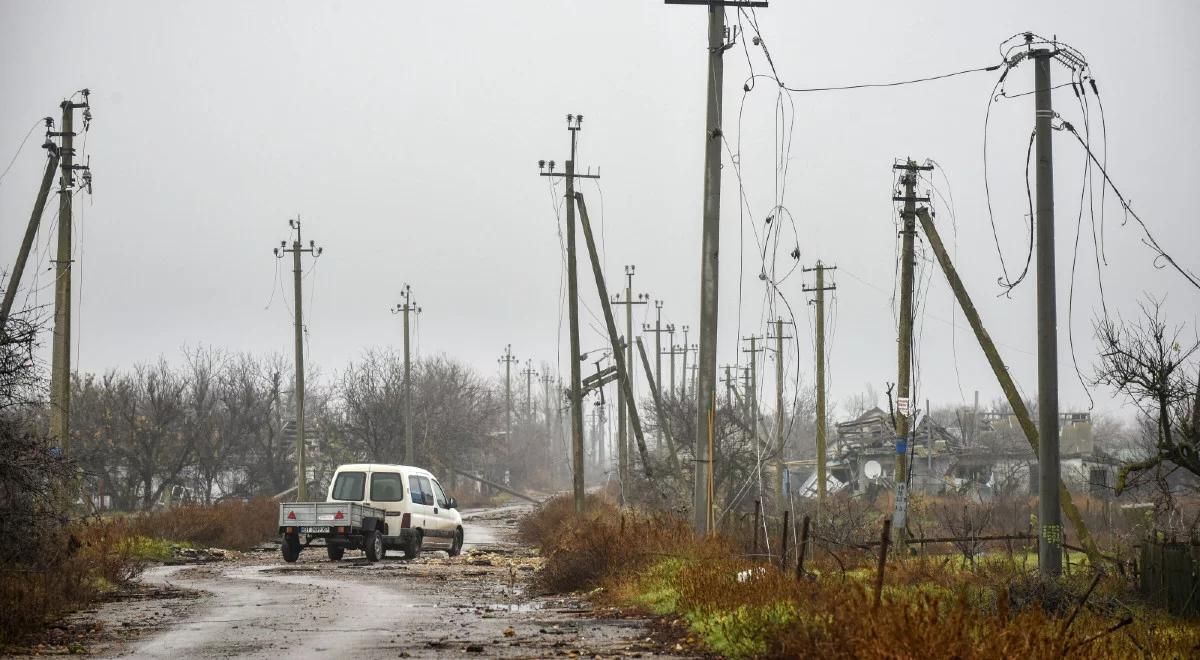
(407,135)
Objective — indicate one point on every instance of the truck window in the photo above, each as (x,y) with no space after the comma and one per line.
(348,486)
(440,494)
(386,487)
(421,491)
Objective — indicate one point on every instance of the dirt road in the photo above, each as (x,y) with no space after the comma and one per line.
(259,606)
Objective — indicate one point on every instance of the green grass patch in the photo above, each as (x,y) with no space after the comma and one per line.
(145,548)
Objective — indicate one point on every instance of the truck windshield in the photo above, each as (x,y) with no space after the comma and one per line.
(349,486)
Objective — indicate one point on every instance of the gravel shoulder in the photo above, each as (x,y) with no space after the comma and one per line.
(255,606)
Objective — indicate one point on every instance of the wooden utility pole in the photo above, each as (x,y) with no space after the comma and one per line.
(1049,513)
(31,230)
(1003,378)
(622,409)
(60,361)
(820,290)
(710,244)
(904,352)
(297,248)
(657,330)
(575,392)
(405,308)
(507,360)
(779,435)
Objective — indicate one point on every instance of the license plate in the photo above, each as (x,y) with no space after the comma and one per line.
(314,530)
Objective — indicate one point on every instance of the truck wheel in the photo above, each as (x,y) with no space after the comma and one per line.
(335,552)
(413,549)
(290,548)
(456,548)
(374,546)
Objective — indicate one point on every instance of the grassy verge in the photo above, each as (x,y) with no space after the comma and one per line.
(740,608)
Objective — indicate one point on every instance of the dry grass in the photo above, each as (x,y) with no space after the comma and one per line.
(742,608)
(234,525)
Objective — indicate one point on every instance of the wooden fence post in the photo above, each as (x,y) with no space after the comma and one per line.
(883,548)
(803,550)
(783,550)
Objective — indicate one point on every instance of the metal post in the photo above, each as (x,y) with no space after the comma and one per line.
(1049,514)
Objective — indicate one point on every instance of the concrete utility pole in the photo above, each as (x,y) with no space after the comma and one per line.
(904,352)
(752,389)
(35,221)
(684,370)
(296,250)
(779,439)
(671,364)
(546,380)
(575,392)
(1049,513)
(507,360)
(529,374)
(622,425)
(405,308)
(820,290)
(702,509)
(657,330)
(729,382)
(60,361)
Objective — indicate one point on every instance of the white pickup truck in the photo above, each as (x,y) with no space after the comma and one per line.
(375,508)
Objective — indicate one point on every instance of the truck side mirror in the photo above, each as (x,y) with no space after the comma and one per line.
(453,503)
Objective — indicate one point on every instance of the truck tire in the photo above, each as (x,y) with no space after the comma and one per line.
(412,549)
(335,552)
(290,547)
(456,547)
(373,545)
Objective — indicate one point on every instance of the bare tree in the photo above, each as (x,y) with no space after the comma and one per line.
(1153,365)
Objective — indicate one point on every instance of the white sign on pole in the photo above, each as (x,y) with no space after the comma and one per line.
(902,405)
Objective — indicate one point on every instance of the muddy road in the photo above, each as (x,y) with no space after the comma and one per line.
(257,606)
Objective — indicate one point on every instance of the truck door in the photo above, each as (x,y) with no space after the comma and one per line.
(387,493)
(445,514)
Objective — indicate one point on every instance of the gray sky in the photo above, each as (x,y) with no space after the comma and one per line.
(406,135)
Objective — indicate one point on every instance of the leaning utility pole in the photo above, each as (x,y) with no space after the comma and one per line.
(296,250)
(575,392)
(1049,514)
(60,361)
(622,425)
(820,290)
(31,230)
(405,308)
(706,407)
(507,360)
(779,439)
(904,352)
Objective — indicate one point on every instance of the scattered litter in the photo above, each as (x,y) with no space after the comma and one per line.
(751,574)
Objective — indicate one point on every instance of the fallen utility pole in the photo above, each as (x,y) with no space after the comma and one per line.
(1003,377)
(617,354)
(904,352)
(820,290)
(663,423)
(405,308)
(574,392)
(296,250)
(31,230)
(500,487)
(60,360)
